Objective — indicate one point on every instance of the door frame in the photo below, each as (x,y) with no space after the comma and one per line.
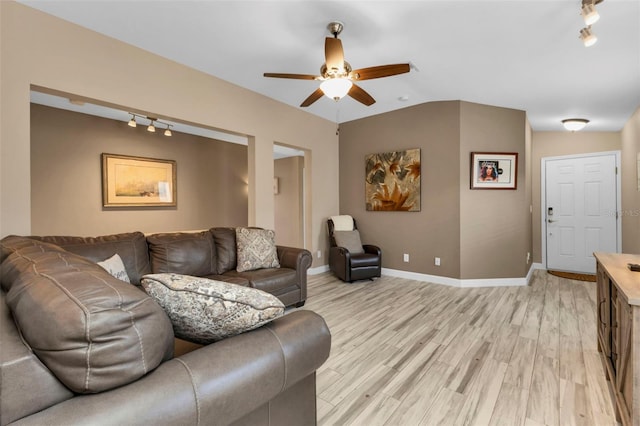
(543,196)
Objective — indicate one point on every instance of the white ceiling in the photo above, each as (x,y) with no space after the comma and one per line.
(512,53)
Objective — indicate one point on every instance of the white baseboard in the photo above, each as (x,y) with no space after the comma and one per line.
(318,270)
(453,282)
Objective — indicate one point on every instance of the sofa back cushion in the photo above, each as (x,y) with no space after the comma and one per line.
(93,331)
(131,247)
(225,240)
(187,253)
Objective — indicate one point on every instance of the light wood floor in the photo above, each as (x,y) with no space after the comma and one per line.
(414,353)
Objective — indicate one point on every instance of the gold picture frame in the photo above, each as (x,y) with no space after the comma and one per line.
(138,181)
(494,170)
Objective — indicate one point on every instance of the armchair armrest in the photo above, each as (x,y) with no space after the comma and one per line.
(368,248)
(216,384)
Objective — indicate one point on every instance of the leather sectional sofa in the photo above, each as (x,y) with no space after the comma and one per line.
(82,347)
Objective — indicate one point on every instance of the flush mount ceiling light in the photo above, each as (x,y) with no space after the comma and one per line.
(574,124)
(153,121)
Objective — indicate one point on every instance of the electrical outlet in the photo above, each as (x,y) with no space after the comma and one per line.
(405,257)
(437,261)
(319,254)
(528,257)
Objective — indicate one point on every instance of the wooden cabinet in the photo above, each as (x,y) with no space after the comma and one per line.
(618,297)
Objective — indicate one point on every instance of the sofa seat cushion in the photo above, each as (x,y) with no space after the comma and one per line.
(130,246)
(205,311)
(364,259)
(271,280)
(188,253)
(93,331)
(233,279)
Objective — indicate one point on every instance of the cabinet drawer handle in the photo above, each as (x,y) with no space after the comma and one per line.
(600,312)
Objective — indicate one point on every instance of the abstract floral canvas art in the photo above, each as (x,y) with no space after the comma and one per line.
(393,181)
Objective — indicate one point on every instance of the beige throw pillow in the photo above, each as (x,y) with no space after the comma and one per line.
(204,311)
(349,240)
(256,249)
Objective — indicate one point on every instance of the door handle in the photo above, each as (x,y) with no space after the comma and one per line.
(551,220)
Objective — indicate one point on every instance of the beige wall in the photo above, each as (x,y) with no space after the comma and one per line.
(494,238)
(41,50)
(288,201)
(630,188)
(455,223)
(66,177)
(551,144)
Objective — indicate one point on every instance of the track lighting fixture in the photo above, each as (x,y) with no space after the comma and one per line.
(574,124)
(590,16)
(153,121)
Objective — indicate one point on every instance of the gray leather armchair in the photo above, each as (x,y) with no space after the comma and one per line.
(350,266)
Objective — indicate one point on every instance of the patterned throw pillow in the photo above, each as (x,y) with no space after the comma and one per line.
(256,249)
(115,267)
(205,311)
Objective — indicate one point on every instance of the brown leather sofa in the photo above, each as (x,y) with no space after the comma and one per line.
(79,346)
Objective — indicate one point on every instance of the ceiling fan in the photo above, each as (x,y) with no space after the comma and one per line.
(338,77)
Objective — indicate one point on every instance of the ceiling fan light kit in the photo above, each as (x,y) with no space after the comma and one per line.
(336,75)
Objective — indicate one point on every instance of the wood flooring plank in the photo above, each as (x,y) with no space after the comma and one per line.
(511,406)
(575,409)
(416,402)
(544,393)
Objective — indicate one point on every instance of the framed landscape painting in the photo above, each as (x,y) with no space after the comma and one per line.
(138,182)
(494,170)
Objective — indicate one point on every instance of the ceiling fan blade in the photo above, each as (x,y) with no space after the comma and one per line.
(334,55)
(358,93)
(295,76)
(312,97)
(379,71)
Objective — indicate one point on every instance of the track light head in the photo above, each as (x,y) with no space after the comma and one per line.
(151,127)
(587,37)
(167,132)
(132,122)
(590,14)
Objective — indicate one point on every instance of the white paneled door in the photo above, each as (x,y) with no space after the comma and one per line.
(580,211)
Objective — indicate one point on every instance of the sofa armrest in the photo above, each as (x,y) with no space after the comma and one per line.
(216,384)
(298,259)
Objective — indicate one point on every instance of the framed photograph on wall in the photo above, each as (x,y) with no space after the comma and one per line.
(494,170)
(138,182)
